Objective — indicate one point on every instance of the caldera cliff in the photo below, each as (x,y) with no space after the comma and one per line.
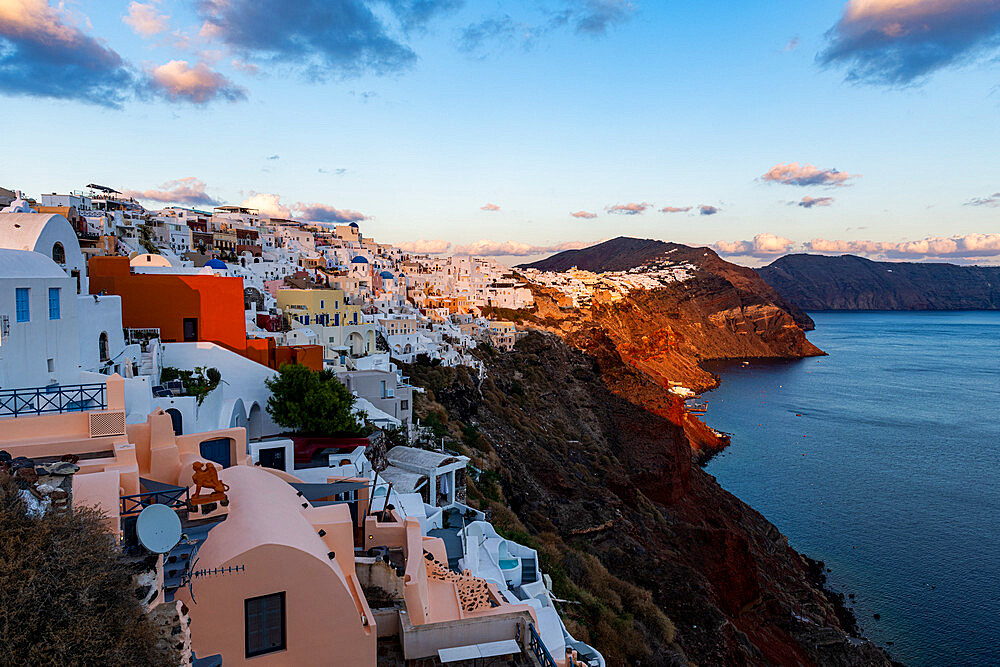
(656,564)
(847,282)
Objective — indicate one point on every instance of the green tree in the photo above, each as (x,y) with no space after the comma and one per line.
(311,402)
(66,591)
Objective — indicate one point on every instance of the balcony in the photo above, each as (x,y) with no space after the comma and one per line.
(54,399)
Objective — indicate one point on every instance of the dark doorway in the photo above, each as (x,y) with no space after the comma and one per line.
(190,329)
(217,450)
(273,457)
(177,420)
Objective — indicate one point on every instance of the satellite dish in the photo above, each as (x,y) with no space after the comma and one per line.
(158,528)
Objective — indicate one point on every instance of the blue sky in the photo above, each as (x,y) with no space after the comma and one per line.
(888,108)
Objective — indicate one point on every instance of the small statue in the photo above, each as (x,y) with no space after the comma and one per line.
(206,476)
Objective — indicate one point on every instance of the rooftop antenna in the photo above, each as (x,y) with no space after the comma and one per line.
(158,528)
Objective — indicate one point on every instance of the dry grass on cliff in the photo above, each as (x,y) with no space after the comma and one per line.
(66,593)
(617,617)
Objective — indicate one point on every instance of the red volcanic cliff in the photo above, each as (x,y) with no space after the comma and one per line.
(665,567)
(723,311)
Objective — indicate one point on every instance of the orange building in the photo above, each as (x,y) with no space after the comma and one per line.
(189,308)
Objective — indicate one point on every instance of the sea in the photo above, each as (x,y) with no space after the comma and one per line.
(882,460)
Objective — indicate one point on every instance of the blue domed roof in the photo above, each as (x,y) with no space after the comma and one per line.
(354,224)
(387,274)
(216,264)
(359,260)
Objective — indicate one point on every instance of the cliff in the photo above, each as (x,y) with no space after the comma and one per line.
(660,566)
(722,311)
(816,282)
(626,253)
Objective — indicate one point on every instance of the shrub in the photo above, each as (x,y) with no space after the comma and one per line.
(66,592)
(311,402)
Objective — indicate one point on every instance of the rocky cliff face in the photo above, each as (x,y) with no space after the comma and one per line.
(816,282)
(661,566)
(722,311)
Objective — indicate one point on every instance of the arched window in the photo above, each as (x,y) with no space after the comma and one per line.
(102,346)
(58,253)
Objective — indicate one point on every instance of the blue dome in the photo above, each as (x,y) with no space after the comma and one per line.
(359,260)
(354,224)
(386,274)
(216,264)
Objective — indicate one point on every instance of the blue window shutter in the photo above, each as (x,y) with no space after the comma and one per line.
(54,303)
(22,307)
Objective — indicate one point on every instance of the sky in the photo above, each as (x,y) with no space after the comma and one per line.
(519,128)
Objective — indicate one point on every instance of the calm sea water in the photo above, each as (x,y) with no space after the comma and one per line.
(891,475)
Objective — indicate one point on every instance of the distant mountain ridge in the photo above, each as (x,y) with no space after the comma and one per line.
(848,282)
(625,253)
(618,254)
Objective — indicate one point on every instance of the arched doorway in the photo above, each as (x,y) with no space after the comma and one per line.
(356,343)
(239,416)
(177,420)
(102,347)
(255,423)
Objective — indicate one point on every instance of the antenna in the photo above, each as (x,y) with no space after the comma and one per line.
(158,528)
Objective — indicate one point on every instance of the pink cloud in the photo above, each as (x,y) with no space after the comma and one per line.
(425,247)
(584,215)
(178,81)
(246,68)
(762,245)
(324,213)
(268,204)
(144,19)
(489,207)
(898,42)
(628,209)
(809,202)
(806,175)
(675,209)
(189,190)
(706,209)
(965,246)
(487,248)
(992,200)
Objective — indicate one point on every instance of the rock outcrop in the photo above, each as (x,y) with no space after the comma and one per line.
(660,564)
(817,282)
(723,311)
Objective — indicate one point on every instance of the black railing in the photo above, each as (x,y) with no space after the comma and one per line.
(174,497)
(57,398)
(536,646)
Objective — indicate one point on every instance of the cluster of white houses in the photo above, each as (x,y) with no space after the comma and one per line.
(102,303)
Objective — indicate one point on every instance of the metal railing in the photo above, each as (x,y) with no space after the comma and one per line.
(536,646)
(174,497)
(140,335)
(57,398)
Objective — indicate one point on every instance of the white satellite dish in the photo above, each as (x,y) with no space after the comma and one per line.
(158,528)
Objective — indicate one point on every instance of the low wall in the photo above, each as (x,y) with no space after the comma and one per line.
(424,641)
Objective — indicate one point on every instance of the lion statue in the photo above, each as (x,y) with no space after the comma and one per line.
(207,476)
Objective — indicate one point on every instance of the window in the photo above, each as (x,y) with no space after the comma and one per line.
(322,304)
(265,624)
(53,303)
(58,253)
(404,405)
(22,308)
(102,346)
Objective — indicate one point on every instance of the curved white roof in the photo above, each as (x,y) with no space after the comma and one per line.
(20,231)
(27,264)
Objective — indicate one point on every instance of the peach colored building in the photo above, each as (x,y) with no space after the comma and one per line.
(272,570)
